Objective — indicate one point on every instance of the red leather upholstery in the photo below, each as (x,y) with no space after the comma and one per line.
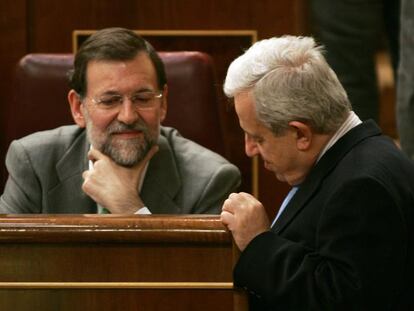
(41,87)
(192,99)
(40,91)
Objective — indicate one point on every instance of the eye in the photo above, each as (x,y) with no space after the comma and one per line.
(256,139)
(110,101)
(259,140)
(142,97)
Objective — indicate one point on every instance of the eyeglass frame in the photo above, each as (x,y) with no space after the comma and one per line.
(99,102)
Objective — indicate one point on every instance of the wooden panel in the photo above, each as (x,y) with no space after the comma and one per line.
(12,46)
(51,32)
(116,299)
(150,262)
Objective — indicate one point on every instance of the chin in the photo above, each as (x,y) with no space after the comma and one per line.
(280,177)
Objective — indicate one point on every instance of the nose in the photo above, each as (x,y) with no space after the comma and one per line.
(128,114)
(250,146)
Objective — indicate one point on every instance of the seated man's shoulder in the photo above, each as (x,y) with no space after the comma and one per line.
(206,178)
(60,137)
(185,149)
(197,161)
(48,144)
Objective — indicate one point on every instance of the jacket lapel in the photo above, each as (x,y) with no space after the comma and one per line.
(325,165)
(162,181)
(67,196)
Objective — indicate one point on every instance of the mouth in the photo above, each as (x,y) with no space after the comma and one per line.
(130,134)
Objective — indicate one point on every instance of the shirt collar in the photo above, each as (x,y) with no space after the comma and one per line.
(351,121)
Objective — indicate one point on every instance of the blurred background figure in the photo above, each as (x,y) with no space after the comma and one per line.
(352,31)
(405,88)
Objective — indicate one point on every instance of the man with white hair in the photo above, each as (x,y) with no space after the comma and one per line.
(343,239)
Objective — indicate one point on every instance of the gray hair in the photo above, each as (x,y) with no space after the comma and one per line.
(290,80)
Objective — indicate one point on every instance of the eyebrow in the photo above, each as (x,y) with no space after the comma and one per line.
(254,136)
(110,92)
(137,91)
(142,90)
(250,134)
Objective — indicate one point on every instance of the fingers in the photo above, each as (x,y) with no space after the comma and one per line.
(229,209)
(85,174)
(228,206)
(245,217)
(238,200)
(88,185)
(227,219)
(95,155)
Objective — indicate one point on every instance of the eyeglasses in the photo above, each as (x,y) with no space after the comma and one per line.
(144,100)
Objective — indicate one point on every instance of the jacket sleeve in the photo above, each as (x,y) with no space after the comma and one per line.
(22,193)
(356,264)
(223,181)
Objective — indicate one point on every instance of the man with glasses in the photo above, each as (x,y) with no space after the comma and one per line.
(125,161)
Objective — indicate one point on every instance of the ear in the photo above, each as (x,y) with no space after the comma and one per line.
(163,109)
(76,108)
(304,135)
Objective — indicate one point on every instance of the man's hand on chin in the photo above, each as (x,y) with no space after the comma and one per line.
(113,186)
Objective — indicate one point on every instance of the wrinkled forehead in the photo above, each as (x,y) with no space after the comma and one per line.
(245,107)
(122,75)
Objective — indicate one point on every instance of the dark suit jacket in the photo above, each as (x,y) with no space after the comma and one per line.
(345,240)
(45,175)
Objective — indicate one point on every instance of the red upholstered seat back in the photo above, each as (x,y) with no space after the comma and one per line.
(192,99)
(40,94)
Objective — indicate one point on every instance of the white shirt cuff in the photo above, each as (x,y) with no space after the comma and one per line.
(143,211)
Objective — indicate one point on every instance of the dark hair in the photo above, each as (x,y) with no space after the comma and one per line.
(112,44)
